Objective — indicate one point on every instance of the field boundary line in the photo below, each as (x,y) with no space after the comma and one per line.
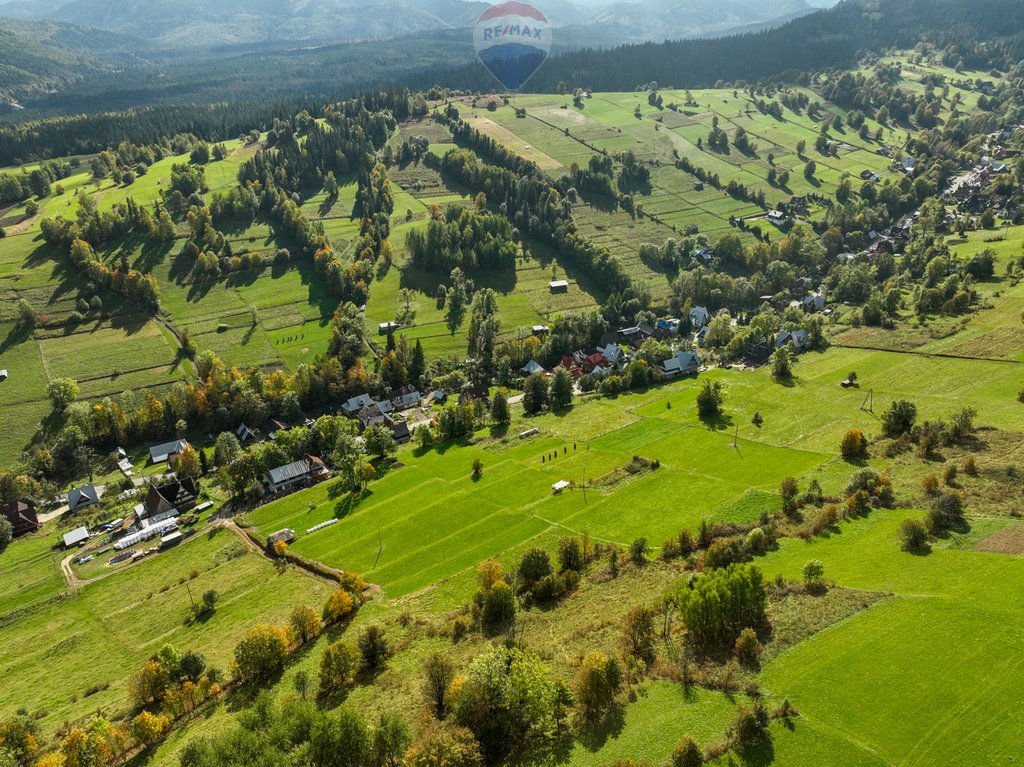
(942,355)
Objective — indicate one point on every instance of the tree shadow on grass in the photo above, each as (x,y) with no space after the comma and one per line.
(594,737)
(761,755)
(719,422)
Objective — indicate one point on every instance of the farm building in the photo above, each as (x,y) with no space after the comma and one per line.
(681,363)
(539,330)
(558,286)
(162,453)
(83,496)
(306,471)
(3,375)
(777,217)
(287,535)
(559,486)
(76,537)
(171,539)
(384,328)
(21,515)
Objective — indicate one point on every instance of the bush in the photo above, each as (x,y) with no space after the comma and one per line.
(899,418)
(261,652)
(813,572)
(950,474)
(946,513)
(373,646)
(854,445)
(913,535)
(747,647)
(339,606)
(710,399)
(498,607)
(970,466)
(930,484)
(687,753)
(338,667)
(638,551)
(597,682)
(749,729)
(478,468)
(570,555)
(534,566)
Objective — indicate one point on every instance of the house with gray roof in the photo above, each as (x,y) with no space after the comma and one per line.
(680,363)
(83,496)
(160,453)
(306,471)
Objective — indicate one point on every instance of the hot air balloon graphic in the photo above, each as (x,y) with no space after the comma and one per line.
(512,40)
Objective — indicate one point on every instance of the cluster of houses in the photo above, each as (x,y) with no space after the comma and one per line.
(373,412)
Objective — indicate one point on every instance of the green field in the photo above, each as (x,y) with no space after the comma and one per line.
(52,654)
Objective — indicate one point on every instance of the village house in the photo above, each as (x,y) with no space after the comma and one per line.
(83,496)
(795,338)
(558,286)
(302,473)
(405,398)
(244,433)
(680,363)
(355,404)
(164,453)
(21,515)
(699,317)
(532,367)
(168,499)
(813,302)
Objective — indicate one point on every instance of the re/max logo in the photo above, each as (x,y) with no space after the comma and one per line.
(510,30)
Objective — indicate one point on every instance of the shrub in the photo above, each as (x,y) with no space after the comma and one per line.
(719,604)
(747,647)
(930,484)
(710,398)
(687,753)
(638,551)
(813,572)
(946,512)
(305,623)
(498,608)
(899,418)
(478,468)
(261,652)
(913,535)
(453,746)
(439,674)
(854,445)
(373,646)
(726,551)
(970,466)
(788,492)
(338,666)
(638,634)
(597,682)
(950,474)
(534,566)
(757,539)
(339,606)
(749,729)
(570,555)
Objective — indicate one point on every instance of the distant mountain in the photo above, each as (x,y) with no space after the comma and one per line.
(657,20)
(212,23)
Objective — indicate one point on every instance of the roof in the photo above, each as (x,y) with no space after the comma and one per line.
(3,374)
(159,453)
(82,496)
(560,485)
(558,284)
(680,362)
(75,537)
(244,433)
(700,315)
(532,367)
(400,431)
(21,515)
(291,471)
(355,404)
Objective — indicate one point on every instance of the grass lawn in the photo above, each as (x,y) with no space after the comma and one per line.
(53,654)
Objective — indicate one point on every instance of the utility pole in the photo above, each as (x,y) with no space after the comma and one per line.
(190,599)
